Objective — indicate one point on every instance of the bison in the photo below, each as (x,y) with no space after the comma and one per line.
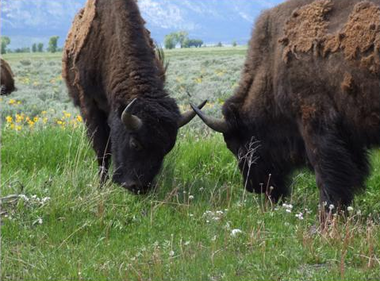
(116,79)
(7,78)
(309,96)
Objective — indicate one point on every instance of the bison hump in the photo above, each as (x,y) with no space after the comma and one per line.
(80,29)
(359,40)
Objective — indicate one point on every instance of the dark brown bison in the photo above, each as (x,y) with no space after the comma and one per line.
(116,79)
(7,78)
(309,96)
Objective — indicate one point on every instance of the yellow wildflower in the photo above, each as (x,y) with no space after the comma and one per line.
(18,128)
(198,80)
(35,119)
(31,123)
(12,101)
(12,126)
(67,115)
(19,118)
(44,112)
(79,119)
(9,119)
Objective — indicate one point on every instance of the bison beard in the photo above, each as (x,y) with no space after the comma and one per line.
(7,80)
(116,79)
(309,95)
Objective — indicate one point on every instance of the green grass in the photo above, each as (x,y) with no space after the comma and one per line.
(68,228)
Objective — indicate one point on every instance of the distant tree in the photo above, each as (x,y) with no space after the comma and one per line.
(182,36)
(5,41)
(34,48)
(219,44)
(22,50)
(53,44)
(234,44)
(40,47)
(170,41)
(188,43)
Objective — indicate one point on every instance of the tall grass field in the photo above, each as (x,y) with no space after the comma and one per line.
(58,223)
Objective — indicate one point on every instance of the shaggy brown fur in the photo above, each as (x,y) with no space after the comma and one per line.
(307,30)
(310,95)
(7,78)
(109,60)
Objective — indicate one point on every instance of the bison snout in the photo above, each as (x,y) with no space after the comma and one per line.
(135,188)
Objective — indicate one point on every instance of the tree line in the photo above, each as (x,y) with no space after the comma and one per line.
(36,47)
(182,39)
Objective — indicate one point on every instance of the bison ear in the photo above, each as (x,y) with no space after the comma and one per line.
(131,122)
(218,125)
(188,116)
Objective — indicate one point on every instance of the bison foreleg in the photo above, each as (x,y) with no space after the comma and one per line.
(99,133)
(339,167)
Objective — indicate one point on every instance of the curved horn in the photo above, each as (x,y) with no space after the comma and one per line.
(218,125)
(132,122)
(188,116)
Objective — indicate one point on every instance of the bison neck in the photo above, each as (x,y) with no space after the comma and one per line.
(129,61)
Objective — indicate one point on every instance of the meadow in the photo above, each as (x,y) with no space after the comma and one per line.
(57,223)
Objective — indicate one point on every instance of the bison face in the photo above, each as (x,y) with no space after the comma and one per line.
(246,150)
(141,136)
(140,145)
(239,141)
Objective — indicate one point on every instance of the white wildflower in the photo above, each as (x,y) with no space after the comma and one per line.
(235,232)
(171,253)
(45,199)
(350,209)
(24,197)
(191,197)
(300,216)
(38,221)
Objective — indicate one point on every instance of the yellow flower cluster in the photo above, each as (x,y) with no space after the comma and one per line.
(24,80)
(56,79)
(21,121)
(14,102)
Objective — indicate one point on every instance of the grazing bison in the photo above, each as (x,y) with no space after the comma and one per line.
(7,80)
(309,96)
(116,79)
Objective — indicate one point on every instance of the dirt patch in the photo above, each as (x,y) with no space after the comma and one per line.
(348,84)
(359,40)
(308,112)
(306,28)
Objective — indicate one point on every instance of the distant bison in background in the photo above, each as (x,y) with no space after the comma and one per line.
(7,78)
(116,79)
(309,96)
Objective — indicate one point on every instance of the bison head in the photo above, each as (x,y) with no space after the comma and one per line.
(238,140)
(141,135)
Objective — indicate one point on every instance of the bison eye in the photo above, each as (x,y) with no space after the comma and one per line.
(134,144)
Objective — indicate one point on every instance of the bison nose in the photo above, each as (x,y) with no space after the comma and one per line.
(131,186)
